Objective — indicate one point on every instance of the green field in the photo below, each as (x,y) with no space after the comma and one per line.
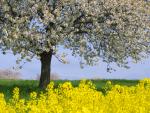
(27,86)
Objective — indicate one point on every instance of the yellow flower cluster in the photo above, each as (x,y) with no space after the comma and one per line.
(82,99)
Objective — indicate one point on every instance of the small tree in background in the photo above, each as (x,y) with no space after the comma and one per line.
(9,74)
(113,30)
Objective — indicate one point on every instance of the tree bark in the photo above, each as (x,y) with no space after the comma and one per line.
(46,58)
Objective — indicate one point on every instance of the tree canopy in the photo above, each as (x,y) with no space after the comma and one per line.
(113,30)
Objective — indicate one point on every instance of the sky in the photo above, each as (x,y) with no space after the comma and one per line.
(73,71)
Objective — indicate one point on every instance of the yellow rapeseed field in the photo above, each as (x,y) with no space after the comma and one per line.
(82,99)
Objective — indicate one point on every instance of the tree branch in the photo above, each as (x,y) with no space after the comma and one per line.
(11,9)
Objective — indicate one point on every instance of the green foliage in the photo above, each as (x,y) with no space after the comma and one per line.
(28,86)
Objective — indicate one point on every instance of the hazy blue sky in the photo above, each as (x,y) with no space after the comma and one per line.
(73,70)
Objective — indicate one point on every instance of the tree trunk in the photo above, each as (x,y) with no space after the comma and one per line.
(46,58)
